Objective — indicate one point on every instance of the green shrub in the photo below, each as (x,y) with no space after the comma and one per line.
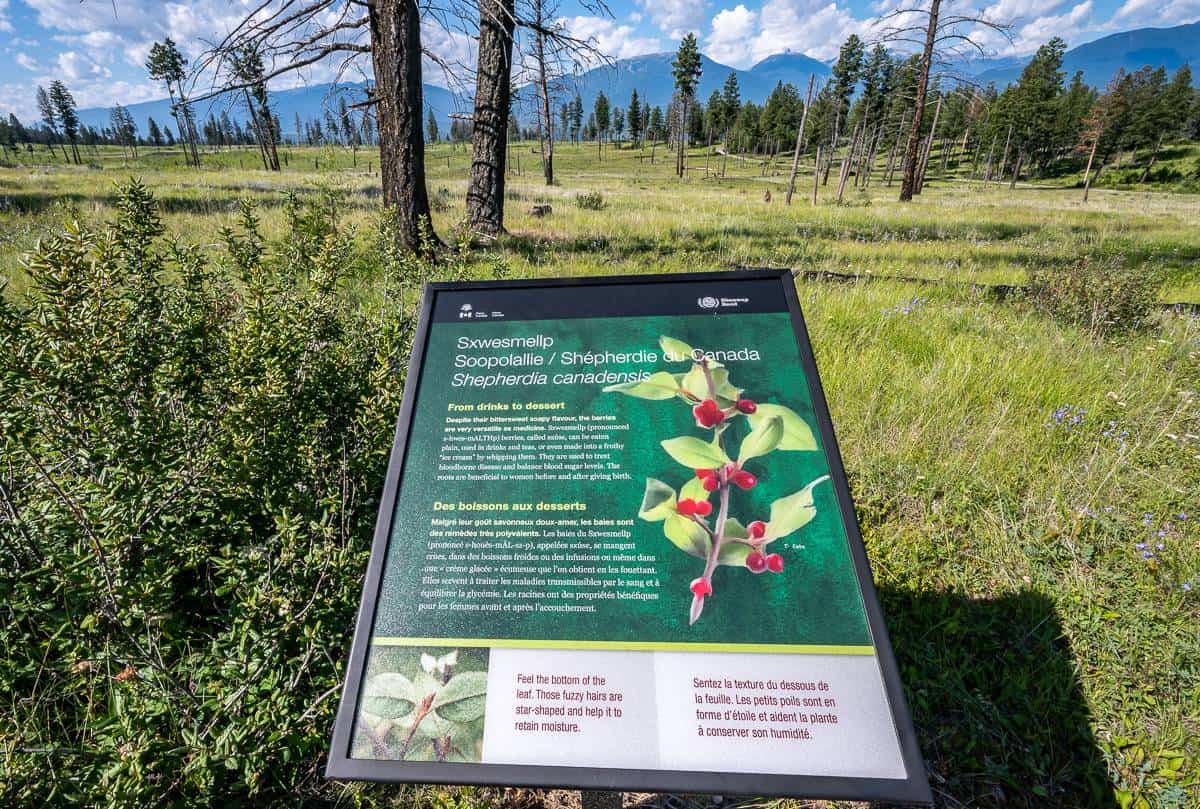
(1102,294)
(192,453)
(591,201)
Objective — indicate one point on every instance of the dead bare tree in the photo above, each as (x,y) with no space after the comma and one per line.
(291,35)
(493,103)
(799,140)
(941,38)
(499,22)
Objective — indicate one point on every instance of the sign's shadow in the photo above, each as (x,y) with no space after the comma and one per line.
(996,699)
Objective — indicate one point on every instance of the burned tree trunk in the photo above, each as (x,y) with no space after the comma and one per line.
(396,52)
(909,186)
(493,99)
(544,88)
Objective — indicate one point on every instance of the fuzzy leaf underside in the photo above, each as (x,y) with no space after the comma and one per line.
(463,698)
(388,695)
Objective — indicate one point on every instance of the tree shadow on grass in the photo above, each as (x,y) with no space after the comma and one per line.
(997,703)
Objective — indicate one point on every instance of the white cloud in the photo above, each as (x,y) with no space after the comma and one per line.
(455,49)
(611,38)
(5,25)
(28,62)
(1142,13)
(731,31)
(676,17)
(817,28)
(1068,26)
(75,67)
(1020,11)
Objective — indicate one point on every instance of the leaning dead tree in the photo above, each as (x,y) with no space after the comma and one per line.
(941,38)
(290,35)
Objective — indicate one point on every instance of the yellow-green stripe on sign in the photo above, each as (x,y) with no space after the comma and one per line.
(628,646)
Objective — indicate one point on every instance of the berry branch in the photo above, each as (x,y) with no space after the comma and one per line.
(716,405)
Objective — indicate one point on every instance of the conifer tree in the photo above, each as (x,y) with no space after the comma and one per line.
(686,69)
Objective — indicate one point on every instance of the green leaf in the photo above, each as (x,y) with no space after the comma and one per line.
(793,512)
(657,386)
(797,435)
(695,453)
(687,535)
(463,697)
(733,554)
(696,383)
(674,350)
(658,502)
(693,490)
(388,695)
(735,529)
(764,438)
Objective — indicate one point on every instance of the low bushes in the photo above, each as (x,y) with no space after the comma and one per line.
(1103,294)
(191,453)
(591,201)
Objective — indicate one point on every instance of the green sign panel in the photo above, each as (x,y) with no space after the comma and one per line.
(617,549)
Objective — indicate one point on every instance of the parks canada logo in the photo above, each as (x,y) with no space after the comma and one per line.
(709,302)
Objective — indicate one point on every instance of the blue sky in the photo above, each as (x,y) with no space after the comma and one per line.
(98,46)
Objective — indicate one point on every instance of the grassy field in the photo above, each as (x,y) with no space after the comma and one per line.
(651,222)
(1028,491)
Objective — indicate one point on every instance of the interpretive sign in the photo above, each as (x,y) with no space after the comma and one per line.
(616,550)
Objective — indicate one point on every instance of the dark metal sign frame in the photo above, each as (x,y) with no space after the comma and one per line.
(914,789)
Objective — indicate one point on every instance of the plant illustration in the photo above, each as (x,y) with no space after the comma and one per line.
(433,713)
(687,515)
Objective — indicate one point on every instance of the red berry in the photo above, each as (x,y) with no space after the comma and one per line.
(756,562)
(747,406)
(705,473)
(711,484)
(775,563)
(744,480)
(701,588)
(686,507)
(757,529)
(706,417)
(708,413)
(702,508)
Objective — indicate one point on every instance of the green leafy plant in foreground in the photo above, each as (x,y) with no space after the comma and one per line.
(431,711)
(192,450)
(687,515)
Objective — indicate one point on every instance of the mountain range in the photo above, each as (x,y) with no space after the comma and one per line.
(650,75)
(1100,60)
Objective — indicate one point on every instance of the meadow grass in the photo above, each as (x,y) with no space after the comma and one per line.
(957,230)
(1014,476)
